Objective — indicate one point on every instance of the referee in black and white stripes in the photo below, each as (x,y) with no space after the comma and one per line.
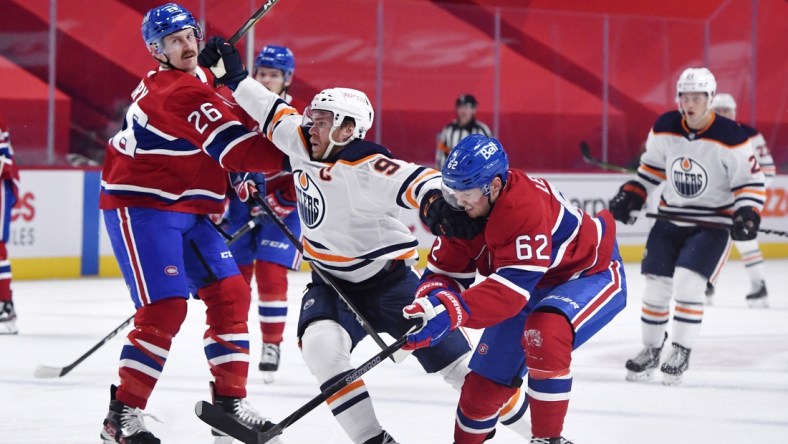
(464,125)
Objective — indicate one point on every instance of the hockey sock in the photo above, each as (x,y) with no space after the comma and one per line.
(147,346)
(655,311)
(5,274)
(548,341)
(325,347)
(477,413)
(752,257)
(513,414)
(688,289)
(272,304)
(226,341)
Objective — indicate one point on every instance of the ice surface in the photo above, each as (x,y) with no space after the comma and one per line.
(735,391)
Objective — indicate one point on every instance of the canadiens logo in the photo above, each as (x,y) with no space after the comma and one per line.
(311,206)
(483,348)
(171,270)
(688,176)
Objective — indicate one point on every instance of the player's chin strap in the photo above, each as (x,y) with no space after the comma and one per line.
(333,143)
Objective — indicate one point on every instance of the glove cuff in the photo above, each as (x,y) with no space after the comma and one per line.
(455,307)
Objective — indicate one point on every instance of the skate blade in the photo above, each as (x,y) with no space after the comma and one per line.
(640,376)
(668,379)
(758,303)
(8,328)
(268,377)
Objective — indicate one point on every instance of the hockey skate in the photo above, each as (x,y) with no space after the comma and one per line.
(8,318)
(124,424)
(269,362)
(675,365)
(239,409)
(383,438)
(641,367)
(558,440)
(758,297)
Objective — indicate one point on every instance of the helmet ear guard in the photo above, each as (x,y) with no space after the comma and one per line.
(164,20)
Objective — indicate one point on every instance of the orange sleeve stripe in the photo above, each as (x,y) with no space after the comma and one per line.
(652,171)
(443,148)
(345,391)
(410,194)
(409,254)
(278,116)
(750,191)
(324,257)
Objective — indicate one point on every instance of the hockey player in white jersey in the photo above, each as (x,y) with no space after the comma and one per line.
(725,105)
(711,174)
(350,196)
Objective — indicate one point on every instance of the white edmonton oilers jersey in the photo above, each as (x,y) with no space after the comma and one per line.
(710,173)
(349,205)
(762,152)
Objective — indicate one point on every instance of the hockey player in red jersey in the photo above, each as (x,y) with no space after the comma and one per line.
(350,194)
(165,171)
(710,174)
(266,252)
(553,278)
(9,186)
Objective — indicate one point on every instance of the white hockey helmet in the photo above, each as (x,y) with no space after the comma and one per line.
(346,102)
(725,100)
(696,80)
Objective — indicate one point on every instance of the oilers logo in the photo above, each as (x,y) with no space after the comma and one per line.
(311,206)
(689,177)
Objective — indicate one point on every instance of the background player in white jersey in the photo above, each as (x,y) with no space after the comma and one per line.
(266,252)
(350,195)
(553,278)
(9,186)
(725,105)
(164,173)
(712,175)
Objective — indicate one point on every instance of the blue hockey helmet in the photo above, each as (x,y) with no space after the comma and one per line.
(164,20)
(276,57)
(474,163)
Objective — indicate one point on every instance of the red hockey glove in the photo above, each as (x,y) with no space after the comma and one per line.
(281,206)
(434,283)
(440,314)
(247,185)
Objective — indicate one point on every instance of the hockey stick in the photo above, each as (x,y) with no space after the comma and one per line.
(252,21)
(219,419)
(45,371)
(708,224)
(585,150)
(396,357)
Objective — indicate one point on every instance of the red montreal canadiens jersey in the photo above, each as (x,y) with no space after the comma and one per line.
(534,237)
(8,167)
(178,138)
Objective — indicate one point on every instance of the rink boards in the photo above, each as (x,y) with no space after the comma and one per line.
(57,230)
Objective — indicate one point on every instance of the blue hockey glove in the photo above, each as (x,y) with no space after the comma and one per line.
(228,66)
(247,185)
(444,220)
(745,224)
(631,197)
(439,314)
